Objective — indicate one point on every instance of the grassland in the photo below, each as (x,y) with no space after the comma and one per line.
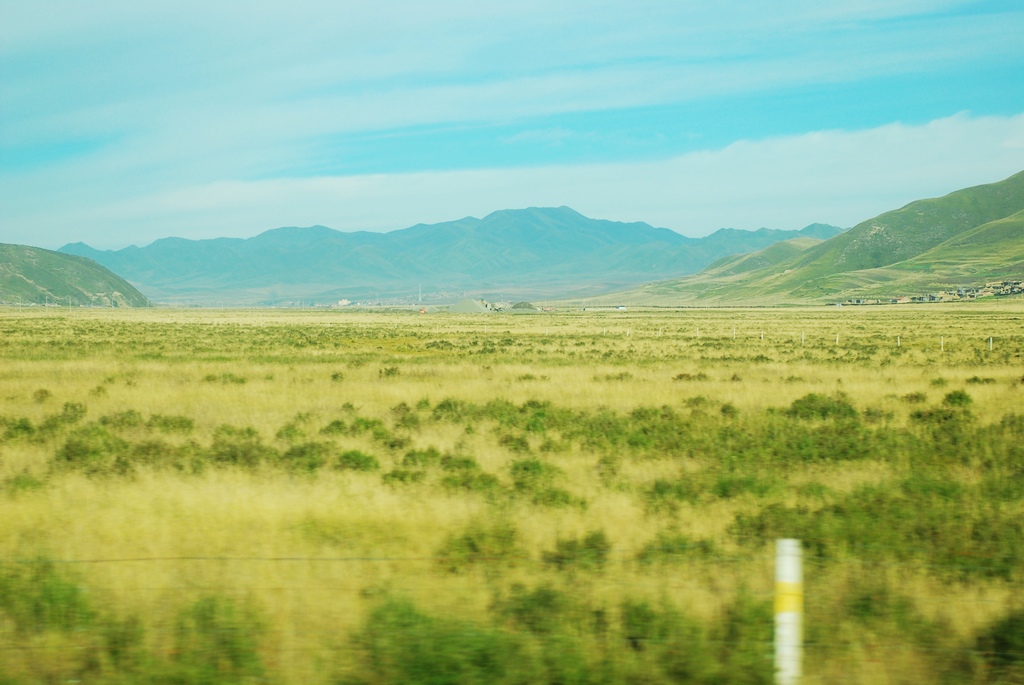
(235,497)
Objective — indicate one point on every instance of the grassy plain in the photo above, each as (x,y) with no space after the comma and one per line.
(580,497)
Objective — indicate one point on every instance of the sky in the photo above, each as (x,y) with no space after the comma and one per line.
(122,122)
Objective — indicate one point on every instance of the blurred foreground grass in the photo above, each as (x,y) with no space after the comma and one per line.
(221,496)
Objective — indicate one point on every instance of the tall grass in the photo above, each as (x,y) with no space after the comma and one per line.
(324,497)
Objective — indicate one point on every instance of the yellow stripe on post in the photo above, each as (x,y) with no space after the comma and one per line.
(789,597)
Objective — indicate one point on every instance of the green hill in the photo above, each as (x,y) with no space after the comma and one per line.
(988,251)
(965,238)
(32,275)
(907,232)
(769,256)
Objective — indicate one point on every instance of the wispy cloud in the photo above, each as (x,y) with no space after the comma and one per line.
(839,177)
(110,105)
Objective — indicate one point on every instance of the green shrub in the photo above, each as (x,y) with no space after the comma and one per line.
(1002,648)
(92,449)
(472,481)
(744,639)
(421,458)
(957,398)
(18,428)
(171,424)
(23,482)
(36,596)
(557,497)
(239,447)
(403,476)
(216,642)
(158,453)
(729,485)
(450,410)
(675,647)
(225,378)
(354,460)
(690,377)
(336,427)
(362,424)
(290,432)
(670,547)
(515,443)
(873,603)
(815,406)
(72,413)
(876,415)
(590,553)
(401,644)
(481,543)
(376,428)
(665,495)
(122,420)
(450,462)
(405,416)
(307,457)
(541,611)
(529,475)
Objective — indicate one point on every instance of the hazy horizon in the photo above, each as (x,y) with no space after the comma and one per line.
(403,228)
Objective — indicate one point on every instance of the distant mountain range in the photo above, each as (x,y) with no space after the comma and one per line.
(32,275)
(968,237)
(521,254)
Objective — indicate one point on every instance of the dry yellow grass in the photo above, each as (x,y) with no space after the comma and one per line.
(314,553)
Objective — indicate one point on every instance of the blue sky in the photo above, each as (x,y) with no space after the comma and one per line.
(124,122)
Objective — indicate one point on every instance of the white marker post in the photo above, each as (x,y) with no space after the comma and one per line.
(897,341)
(990,344)
(789,612)
(942,344)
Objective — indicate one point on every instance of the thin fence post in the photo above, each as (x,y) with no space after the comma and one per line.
(789,610)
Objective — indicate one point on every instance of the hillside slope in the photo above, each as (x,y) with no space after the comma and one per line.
(990,252)
(762,259)
(32,275)
(966,237)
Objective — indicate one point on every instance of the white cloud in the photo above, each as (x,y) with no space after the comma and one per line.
(837,177)
(165,109)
